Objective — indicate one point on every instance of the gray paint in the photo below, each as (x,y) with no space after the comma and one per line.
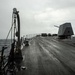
(65,30)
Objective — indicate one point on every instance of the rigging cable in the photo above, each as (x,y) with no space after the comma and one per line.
(9,33)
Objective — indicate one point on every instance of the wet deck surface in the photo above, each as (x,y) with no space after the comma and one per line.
(48,56)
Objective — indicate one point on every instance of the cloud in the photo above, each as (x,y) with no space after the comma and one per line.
(37,15)
(60,4)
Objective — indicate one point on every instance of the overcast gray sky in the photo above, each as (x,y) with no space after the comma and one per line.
(37,15)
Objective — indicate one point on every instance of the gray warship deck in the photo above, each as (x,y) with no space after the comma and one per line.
(48,56)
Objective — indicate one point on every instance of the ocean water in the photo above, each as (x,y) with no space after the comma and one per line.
(8,44)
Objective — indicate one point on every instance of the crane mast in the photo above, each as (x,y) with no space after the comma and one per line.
(16,19)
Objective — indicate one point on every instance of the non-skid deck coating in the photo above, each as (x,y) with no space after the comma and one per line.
(48,56)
